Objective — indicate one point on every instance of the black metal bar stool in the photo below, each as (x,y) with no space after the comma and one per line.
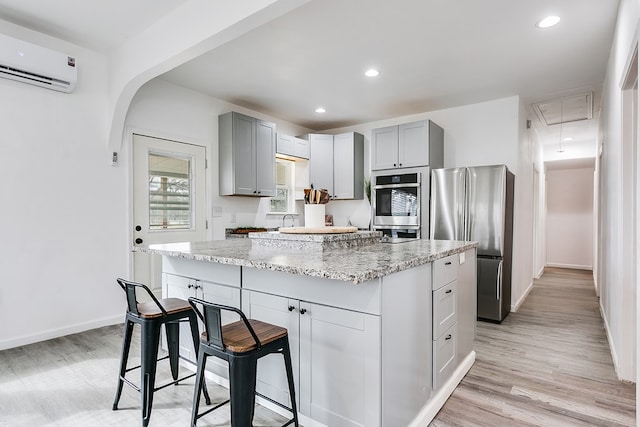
(241,344)
(151,316)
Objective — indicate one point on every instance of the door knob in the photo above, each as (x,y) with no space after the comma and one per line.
(138,241)
(138,228)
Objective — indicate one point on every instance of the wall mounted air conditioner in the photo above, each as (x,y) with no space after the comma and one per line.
(36,65)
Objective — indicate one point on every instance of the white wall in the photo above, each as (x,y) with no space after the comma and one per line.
(165,110)
(570,218)
(486,133)
(617,293)
(64,215)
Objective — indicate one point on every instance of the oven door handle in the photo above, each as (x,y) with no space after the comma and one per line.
(387,186)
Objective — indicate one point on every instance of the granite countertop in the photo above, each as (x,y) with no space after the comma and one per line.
(355,265)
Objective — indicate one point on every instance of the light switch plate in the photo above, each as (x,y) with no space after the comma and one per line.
(462,257)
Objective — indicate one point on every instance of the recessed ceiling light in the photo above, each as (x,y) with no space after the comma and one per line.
(568,139)
(372,72)
(320,110)
(547,22)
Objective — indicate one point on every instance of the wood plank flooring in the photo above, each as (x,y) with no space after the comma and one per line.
(546,365)
(71,381)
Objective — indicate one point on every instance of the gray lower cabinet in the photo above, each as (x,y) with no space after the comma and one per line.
(407,145)
(185,287)
(444,335)
(336,162)
(246,151)
(335,354)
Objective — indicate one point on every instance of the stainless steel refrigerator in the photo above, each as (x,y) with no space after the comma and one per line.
(476,203)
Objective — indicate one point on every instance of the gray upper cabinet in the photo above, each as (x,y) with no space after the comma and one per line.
(247,148)
(336,162)
(407,145)
(321,161)
(292,146)
(348,166)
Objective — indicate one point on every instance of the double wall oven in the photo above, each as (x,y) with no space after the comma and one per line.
(397,204)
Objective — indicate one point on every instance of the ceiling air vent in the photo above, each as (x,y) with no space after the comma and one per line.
(567,109)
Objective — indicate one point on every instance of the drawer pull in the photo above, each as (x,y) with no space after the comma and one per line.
(291,308)
(448,291)
(303,310)
(447,263)
(448,337)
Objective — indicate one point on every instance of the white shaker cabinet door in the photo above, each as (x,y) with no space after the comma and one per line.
(280,311)
(340,366)
(384,148)
(413,144)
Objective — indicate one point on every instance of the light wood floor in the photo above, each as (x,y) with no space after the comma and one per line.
(547,365)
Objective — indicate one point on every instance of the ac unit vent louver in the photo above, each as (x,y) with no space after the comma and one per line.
(36,65)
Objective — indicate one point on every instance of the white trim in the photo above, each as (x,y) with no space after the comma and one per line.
(612,349)
(515,307)
(437,401)
(61,332)
(572,266)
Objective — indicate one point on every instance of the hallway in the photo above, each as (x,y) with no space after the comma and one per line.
(549,364)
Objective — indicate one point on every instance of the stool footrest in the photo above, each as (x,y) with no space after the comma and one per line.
(275,402)
(136,388)
(212,409)
(138,367)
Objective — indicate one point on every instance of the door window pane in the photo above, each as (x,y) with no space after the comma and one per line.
(169,192)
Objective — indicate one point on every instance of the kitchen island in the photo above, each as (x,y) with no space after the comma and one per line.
(380,334)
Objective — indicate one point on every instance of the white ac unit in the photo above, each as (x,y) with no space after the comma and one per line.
(36,65)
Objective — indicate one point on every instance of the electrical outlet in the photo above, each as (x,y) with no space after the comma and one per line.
(233,217)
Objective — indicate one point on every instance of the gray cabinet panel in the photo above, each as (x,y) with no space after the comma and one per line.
(407,145)
(321,162)
(246,155)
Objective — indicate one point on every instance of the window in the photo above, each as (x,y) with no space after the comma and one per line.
(284,201)
(169,193)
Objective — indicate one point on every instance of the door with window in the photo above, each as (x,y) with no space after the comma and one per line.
(168,200)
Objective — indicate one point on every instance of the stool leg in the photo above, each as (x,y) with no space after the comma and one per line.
(242,389)
(150,341)
(124,356)
(289,368)
(195,335)
(202,360)
(172,330)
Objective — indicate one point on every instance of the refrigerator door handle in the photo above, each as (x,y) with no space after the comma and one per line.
(499,281)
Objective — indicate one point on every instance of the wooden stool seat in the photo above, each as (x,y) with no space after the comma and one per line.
(237,338)
(150,310)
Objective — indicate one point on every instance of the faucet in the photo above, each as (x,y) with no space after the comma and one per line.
(293,219)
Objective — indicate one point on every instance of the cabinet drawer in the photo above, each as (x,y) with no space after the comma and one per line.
(444,309)
(178,282)
(444,357)
(445,270)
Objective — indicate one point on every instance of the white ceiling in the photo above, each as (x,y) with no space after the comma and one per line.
(432,54)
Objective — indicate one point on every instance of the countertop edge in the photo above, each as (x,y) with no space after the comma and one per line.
(327,273)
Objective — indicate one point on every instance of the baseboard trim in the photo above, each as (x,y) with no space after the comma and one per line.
(437,401)
(60,332)
(612,349)
(515,307)
(571,266)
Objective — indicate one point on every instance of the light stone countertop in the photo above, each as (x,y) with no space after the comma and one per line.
(355,265)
